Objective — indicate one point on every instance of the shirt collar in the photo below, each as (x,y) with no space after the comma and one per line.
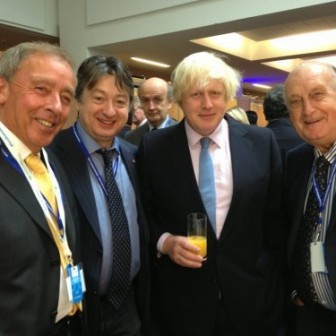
(218,136)
(90,144)
(330,155)
(17,148)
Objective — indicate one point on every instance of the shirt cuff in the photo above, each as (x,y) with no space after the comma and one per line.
(160,242)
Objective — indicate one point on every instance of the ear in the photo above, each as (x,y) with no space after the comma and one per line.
(3,90)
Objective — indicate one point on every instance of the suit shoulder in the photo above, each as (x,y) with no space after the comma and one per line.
(127,146)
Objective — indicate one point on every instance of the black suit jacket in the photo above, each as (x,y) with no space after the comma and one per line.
(245,264)
(137,134)
(298,168)
(75,164)
(29,258)
(285,135)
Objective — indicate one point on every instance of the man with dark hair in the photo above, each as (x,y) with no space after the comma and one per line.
(100,166)
(276,113)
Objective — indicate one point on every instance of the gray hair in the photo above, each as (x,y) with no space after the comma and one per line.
(11,59)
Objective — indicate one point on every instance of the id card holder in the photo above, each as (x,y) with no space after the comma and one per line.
(75,283)
(317,257)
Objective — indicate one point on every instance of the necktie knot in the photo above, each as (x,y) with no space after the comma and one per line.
(35,164)
(42,177)
(107,154)
(205,142)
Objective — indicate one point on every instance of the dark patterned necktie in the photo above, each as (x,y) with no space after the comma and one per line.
(307,231)
(121,262)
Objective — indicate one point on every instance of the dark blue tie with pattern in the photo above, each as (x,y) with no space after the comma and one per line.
(121,262)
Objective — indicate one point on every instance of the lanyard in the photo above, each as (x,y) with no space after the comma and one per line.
(92,164)
(321,199)
(21,169)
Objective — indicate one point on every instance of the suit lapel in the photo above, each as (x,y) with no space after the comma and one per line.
(74,161)
(297,194)
(17,185)
(240,148)
(182,164)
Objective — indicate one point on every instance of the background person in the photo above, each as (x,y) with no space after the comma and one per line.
(156,100)
(277,115)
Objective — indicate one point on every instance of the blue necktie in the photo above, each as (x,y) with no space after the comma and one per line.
(206,181)
(121,263)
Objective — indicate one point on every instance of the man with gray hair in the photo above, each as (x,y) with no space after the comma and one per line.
(310,92)
(41,287)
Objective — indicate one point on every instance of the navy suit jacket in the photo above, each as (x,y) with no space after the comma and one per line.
(245,264)
(29,258)
(298,169)
(285,135)
(75,164)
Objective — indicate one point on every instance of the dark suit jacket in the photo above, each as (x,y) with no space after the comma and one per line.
(285,135)
(29,258)
(74,162)
(298,168)
(137,134)
(245,263)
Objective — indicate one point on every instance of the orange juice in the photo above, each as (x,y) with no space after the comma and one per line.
(201,243)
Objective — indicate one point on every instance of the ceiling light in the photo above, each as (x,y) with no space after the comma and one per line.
(262,86)
(143,60)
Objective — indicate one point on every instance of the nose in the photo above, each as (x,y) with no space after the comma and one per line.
(151,104)
(55,102)
(109,108)
(307,107)
(206,101)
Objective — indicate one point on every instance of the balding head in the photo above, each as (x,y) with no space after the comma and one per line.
(310,93)
(156,98)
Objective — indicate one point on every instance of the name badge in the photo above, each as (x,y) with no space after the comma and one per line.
(317,257)
(75,283)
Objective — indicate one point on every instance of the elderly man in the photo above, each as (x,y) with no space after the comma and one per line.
(156,100)
(310,92)
(40,282)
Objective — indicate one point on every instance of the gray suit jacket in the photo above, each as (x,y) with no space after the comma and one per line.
(29,258)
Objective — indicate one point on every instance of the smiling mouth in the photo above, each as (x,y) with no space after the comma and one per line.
(106,122)
(45,123)
(310,122)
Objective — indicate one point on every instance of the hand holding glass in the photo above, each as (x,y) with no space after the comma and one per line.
(197,231)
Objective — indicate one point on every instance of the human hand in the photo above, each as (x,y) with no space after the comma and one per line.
(182,252)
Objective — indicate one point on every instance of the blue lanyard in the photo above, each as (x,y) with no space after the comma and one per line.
(10,159)
(92,164)
(321,199)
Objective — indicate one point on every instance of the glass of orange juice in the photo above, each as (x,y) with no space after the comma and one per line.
(197,231)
